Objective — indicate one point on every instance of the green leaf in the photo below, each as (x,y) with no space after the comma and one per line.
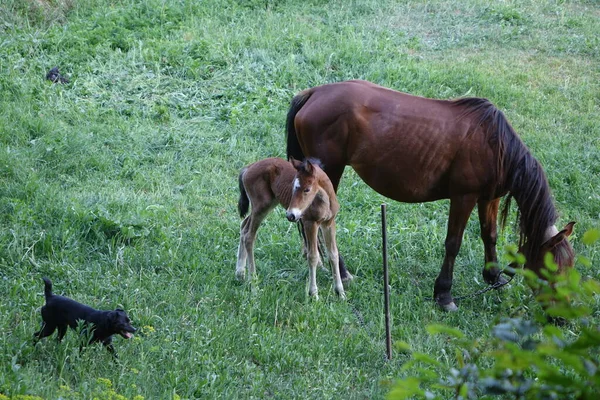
(591,287)
(402,347)
(574,278)
(405,389)
(434,329)
(591,236)
(426,359)
(549,262)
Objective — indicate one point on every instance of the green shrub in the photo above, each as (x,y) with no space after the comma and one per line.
(521,359)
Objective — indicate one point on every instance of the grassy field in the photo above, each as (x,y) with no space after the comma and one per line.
(121,186)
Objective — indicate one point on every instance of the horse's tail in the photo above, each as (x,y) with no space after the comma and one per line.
(293,145)
(244,201)
(47,287)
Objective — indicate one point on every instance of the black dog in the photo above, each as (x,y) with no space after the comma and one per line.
(61,312)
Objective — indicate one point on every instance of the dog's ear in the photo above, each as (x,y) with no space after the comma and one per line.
(114,315)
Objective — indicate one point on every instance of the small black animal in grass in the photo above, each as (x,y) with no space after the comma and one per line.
(54,76)
(61,312)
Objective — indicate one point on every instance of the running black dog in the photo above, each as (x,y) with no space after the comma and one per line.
(61,312)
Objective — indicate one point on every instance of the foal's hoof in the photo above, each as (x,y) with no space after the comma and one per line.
(450,307)
(240,275)
(348,277)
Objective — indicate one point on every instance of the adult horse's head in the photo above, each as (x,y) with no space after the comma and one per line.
(554,242)
(306,187)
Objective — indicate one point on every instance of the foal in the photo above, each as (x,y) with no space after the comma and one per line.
(307,193)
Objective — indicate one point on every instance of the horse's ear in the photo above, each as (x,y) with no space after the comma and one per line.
(309,168)
(560,236)
(297,164)
(569,228)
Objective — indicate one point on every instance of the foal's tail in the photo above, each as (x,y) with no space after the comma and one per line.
(244,201)
(293,146)
(47,287)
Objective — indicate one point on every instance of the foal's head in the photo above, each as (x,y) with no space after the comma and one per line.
(307,185)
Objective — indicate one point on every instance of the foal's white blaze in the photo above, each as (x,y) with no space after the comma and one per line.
(296,184)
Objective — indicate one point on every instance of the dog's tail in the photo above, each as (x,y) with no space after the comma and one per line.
(47,287)
(244,201)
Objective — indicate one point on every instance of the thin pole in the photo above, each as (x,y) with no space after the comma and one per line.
(386,286)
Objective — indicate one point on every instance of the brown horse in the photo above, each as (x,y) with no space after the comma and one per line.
(413,149)
(307,193)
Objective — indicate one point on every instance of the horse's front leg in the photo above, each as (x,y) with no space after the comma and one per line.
(334,168)
(330,243)
(312,229)
(460,210)
(488,215)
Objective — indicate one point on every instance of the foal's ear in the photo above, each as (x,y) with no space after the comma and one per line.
(560,236)
(309,168)
(297,164)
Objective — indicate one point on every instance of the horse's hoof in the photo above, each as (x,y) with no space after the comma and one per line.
(342,295)
(240,275)
(500,282)
(450,307)
(348,277)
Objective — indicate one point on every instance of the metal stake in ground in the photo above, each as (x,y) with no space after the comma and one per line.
(386,286)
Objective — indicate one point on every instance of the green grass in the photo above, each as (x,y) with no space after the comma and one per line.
(121,186)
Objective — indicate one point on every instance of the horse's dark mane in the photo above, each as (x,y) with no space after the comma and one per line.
(518,173)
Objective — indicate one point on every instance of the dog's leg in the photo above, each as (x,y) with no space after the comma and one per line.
(47,330)
(62,329)
(109,346)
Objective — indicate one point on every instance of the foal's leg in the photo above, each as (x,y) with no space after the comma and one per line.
(334,170)
(488,214)
(460,210)
(250,235)
(240,268)
(312,229)
(262,201)
(330,243)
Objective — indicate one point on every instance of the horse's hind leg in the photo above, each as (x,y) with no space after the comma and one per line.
(250,236)
(488,214)
(460,210)
(240,268)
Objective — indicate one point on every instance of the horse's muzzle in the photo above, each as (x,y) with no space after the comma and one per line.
(291,216)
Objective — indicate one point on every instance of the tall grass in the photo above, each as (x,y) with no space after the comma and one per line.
(121,186)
